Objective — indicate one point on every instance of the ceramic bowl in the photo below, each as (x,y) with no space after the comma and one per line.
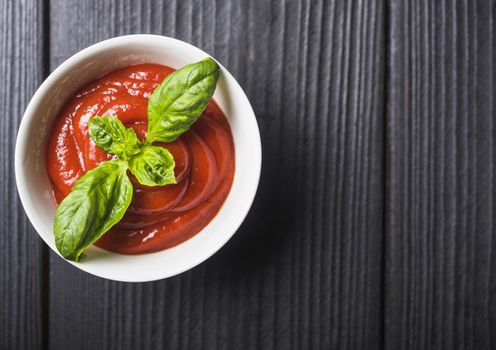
(87,65)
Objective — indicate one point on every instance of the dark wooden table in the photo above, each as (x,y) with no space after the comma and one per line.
(374,223)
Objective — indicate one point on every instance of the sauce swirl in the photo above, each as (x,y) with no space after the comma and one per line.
(158,217)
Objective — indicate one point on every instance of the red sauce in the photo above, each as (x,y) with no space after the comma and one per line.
(158,217)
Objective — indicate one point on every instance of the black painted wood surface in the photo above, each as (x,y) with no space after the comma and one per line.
(373,225)
(440,259)
(22,255)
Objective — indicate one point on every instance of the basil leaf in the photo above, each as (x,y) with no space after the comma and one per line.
(113,137)
(180,99)
(153,166)
(97,202)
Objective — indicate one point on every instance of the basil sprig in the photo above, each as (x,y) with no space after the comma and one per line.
(100,198)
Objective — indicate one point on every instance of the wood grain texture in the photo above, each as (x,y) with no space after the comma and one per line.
(304,271)
(440,257)
(21,255)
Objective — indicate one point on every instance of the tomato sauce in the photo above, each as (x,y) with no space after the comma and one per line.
(158,217)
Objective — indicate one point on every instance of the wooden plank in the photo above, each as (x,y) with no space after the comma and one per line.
(304,271)
(440,285)
(22,254)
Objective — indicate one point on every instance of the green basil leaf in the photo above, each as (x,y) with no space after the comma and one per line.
(180,100)
(97,202)
(153,166)
(113,137)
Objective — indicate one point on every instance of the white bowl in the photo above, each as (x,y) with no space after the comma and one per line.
(35,189)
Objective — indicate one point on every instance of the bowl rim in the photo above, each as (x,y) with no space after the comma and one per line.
(50,83)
